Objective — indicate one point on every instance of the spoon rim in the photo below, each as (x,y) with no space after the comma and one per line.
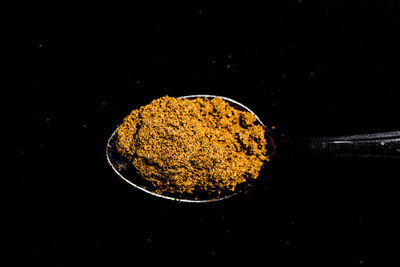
(184,200)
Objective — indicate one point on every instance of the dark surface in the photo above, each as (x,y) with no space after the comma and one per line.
(74,72)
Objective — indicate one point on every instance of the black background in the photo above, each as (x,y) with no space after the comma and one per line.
(306,67)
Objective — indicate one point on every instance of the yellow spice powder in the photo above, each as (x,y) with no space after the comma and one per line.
(192,145)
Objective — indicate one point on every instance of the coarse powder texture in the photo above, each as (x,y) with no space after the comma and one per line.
(193,145)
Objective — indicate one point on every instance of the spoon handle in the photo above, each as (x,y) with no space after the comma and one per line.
(383,145)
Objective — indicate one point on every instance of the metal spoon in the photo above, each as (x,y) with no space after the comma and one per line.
(384,145)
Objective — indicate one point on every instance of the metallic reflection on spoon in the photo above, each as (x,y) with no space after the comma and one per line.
(126,171)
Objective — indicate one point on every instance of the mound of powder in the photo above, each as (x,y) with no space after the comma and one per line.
(188,145)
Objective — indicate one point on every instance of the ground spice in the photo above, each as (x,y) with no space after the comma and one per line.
(190,145)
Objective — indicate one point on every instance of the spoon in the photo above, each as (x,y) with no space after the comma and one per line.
(383,145)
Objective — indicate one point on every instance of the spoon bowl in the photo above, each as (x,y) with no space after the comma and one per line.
(126,172)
